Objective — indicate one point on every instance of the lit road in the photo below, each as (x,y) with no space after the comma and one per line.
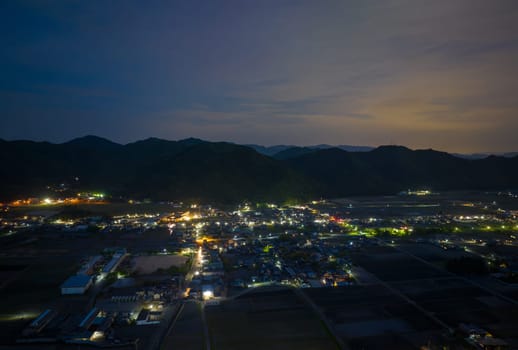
(188,330)
(195,266)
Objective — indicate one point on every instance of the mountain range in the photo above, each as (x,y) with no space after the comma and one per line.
(273,150)
(194,169)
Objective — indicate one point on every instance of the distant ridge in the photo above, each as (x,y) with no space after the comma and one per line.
(270,150)
(273,150)
(91,141)
(194,169)
(485,155)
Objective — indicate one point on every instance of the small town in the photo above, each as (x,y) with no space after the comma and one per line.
(148,265)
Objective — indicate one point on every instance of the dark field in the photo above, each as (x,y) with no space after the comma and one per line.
(187,332)
(366,314)
(269,320)
(411,299)
(396,267)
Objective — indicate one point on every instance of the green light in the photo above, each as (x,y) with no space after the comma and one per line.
(267,248)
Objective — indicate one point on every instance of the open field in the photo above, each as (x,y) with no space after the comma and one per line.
(269,320)
(432,253)
(187,332)
(368,316)
(451,202)
(413,299)
(373,315)
(396,267)
(37,284)
(99,209)
(33,289)
(149,264)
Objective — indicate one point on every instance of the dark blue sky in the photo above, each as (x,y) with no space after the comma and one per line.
(425,74)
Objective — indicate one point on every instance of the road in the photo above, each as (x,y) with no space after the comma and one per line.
(188,330)
(195,266)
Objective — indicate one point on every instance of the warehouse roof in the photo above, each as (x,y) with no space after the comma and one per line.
(77,281)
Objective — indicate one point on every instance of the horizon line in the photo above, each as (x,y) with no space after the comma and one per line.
(322,145)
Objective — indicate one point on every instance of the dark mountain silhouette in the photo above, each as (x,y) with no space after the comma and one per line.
(349,148)
(293,152)
(390,169)
(275,150)
(485,155)
(92,142)
(270,150)
(152,168)
(225,172)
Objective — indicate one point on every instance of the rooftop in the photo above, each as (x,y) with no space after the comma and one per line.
(76,281)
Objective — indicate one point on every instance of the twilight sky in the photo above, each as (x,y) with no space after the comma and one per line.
(425,74)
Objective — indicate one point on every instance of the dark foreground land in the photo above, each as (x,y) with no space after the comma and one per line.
(187,331)
(267,320)
(409,302)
